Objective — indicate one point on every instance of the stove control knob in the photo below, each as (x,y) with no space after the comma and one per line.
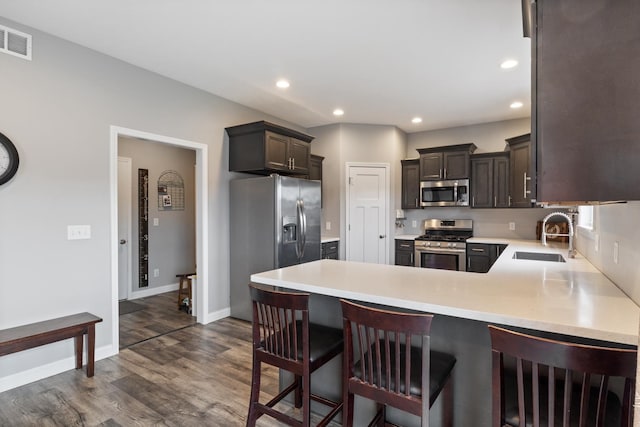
(427,244)
(437,244)
(451,245)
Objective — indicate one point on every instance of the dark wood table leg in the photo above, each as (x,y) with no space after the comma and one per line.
(79,348)
(91,349)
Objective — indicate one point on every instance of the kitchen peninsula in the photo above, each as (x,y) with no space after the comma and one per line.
(569,298)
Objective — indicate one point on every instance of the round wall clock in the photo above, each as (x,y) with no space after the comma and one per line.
(8,159)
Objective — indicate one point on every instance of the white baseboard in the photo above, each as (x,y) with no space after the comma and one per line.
(217,315)
(50,369)
(153,291)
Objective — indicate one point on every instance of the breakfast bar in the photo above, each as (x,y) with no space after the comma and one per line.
(570,298)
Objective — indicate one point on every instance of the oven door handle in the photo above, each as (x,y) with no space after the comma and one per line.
(440,250)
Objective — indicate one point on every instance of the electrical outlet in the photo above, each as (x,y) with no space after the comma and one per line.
(512,226)
(616,252)
(328,225)
(414,223)
(156,222)
(78,232)
(156,272)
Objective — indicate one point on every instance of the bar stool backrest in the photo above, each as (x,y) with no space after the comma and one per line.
(281,326)
(382,345)
(560,382)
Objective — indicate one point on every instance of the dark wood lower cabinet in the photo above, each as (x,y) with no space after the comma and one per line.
(481,256)
(405,253)
(330,250)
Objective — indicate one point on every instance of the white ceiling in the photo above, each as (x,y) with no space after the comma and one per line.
(382,61)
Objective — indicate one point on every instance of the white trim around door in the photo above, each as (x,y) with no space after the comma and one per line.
(202,220)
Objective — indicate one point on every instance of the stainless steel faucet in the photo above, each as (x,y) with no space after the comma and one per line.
(572,250)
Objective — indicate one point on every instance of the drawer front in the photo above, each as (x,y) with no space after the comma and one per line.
(478,249)
(330,250)
(404,245)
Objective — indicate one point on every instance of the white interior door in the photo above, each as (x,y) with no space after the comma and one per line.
(124,227)
(367,194)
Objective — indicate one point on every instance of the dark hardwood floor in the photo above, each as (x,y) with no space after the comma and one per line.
(197,375)
(159,316)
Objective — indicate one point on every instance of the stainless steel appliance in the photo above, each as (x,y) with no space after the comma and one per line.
(274,223)
(443,244)
(452,192)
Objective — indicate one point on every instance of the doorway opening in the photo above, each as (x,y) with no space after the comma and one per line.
(200,282)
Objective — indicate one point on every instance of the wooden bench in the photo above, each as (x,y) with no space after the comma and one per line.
(33,335)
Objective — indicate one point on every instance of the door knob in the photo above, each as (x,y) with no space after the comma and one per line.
(122,241)
(382,236)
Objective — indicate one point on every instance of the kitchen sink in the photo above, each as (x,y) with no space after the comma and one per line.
(539,256)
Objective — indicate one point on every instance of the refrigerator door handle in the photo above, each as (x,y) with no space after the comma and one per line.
(303,229)
(300,230)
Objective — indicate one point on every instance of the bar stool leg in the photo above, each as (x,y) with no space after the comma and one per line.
(255,393)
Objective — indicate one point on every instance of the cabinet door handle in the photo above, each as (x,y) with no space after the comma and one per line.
(293,161)
(416,202)
(445,173)
(477,250)
(524,187)
(509,200)
(440,173)
(468,263)
(412,263)
(473,201)
(495,201)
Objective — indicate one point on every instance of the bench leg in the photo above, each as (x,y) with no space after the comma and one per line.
(79,349)
(91,349)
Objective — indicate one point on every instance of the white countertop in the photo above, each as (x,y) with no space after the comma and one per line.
(329,239)
(406,236)
(571,298)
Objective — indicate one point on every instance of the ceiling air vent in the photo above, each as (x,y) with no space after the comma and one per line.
(15,42)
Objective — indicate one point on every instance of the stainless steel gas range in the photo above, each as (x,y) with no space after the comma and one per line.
(443,244)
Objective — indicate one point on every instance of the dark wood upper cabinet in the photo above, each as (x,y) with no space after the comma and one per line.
(522,163)
(410,184)
(315,167)
(586,92)
(447,162)
(264,148)
(315,173)
(490,180)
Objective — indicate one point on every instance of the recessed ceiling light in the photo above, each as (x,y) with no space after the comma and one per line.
(516,104)
(509,63)
(338,112)
(416,120)
(282,84)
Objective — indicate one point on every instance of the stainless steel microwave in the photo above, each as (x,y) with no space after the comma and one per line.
(453,192)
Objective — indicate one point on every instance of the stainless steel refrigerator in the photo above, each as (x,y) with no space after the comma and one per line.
(275,222)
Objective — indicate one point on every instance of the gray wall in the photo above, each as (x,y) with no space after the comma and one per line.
(489,137)
(172,243)
(615,223)
(58,110)
(343,143)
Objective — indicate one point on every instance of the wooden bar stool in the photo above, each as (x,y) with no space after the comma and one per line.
(543,382)
(185,291)
(386,368)
(284,337)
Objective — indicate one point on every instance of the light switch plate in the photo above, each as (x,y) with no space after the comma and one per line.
(328,225)
(512,226)
(78,232)
(156,222)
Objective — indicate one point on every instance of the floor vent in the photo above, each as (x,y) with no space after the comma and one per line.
(15,42)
